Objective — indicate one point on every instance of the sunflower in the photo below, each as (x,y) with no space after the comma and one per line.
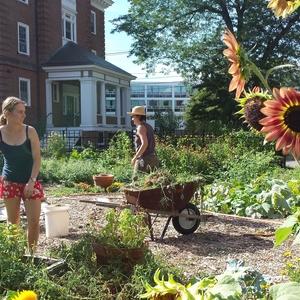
(282,121)
(26,295)
(283,8)
(251,105)
(238,59)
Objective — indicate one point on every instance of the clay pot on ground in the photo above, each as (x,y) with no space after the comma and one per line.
(103,180)
(127,257)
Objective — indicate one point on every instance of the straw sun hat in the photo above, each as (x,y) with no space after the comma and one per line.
(138,111)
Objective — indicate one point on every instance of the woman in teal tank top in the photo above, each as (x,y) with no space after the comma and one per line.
(20,147)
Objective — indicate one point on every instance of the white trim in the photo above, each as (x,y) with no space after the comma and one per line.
(26,27)
(101,4)
(93,22)
(24,1)
(27,81)
(70,4)
(69,72)
(68,16)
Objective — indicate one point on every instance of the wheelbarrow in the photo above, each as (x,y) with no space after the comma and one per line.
(173,201)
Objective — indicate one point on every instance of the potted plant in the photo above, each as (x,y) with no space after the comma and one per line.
(103,180)
(122,237)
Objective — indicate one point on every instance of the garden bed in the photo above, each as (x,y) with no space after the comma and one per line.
(218,238)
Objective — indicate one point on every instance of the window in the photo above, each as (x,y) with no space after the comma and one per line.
(23,38)
(24,90)
(110,93)
(180,92)
(93,22)
(159,91)
(55,92)
(136,102)
(25,1)
(110,105)
(68,26)
(137,91)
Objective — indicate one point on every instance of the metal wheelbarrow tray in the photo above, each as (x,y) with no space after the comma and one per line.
(170,200)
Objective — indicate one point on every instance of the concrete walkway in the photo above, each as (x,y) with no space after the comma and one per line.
(290,162)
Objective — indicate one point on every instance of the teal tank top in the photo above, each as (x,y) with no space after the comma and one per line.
(18,160)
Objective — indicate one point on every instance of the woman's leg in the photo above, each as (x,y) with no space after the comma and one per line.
(33,212)
(12,206)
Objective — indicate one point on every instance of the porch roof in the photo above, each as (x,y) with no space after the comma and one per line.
(72,54)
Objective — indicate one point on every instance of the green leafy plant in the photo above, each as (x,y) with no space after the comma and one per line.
(16,273)
(292,267)
(161,178)
(262,197)
(291,223)
(237,282)
(56,146)
(123,229)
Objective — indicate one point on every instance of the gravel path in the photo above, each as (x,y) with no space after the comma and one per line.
(218,238)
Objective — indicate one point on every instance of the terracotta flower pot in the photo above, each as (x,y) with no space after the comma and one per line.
(103,180)
(129,257)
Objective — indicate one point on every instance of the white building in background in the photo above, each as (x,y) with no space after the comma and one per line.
(162,95)
(153,95)
(159,95)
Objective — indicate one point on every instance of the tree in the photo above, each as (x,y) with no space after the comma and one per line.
(167,122)
(186,35)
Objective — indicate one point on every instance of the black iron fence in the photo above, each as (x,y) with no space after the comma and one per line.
(78,139)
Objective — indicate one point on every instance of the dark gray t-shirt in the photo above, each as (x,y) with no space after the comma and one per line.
(151,140)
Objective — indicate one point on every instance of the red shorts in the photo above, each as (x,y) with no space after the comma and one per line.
(10,189)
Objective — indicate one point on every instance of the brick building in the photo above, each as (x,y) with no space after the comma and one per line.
(52,55)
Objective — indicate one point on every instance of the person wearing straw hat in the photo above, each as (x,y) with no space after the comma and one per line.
(145,159)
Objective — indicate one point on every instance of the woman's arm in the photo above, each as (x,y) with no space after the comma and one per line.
(36,151)
(36,156)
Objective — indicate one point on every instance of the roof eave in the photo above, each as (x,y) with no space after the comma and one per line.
(95,68)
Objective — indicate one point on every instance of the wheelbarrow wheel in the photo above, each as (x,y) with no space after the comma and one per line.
(186,225)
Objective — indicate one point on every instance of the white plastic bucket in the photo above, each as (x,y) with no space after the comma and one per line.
(57,220)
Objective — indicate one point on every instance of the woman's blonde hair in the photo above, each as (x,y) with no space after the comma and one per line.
(9,105)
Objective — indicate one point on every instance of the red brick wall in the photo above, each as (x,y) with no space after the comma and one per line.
(85,38)
(44,20)
(49,32)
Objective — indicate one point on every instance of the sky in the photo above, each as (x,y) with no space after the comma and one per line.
(118,44)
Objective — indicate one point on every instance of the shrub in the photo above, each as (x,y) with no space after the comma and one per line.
(56,146)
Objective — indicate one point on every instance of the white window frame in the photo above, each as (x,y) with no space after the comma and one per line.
(24,1)
(55,91)
(26,27)
(93,22)
(69,17)
(27,81)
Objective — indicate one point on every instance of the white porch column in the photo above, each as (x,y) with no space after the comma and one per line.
(88,97)
(103,102)
(118,106)
(49,120)
(127,106)
(173,98)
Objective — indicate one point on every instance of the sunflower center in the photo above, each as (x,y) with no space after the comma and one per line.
(292,118)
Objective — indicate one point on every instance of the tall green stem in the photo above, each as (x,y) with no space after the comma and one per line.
(260,76)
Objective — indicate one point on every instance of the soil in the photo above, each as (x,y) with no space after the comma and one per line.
(218,238)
